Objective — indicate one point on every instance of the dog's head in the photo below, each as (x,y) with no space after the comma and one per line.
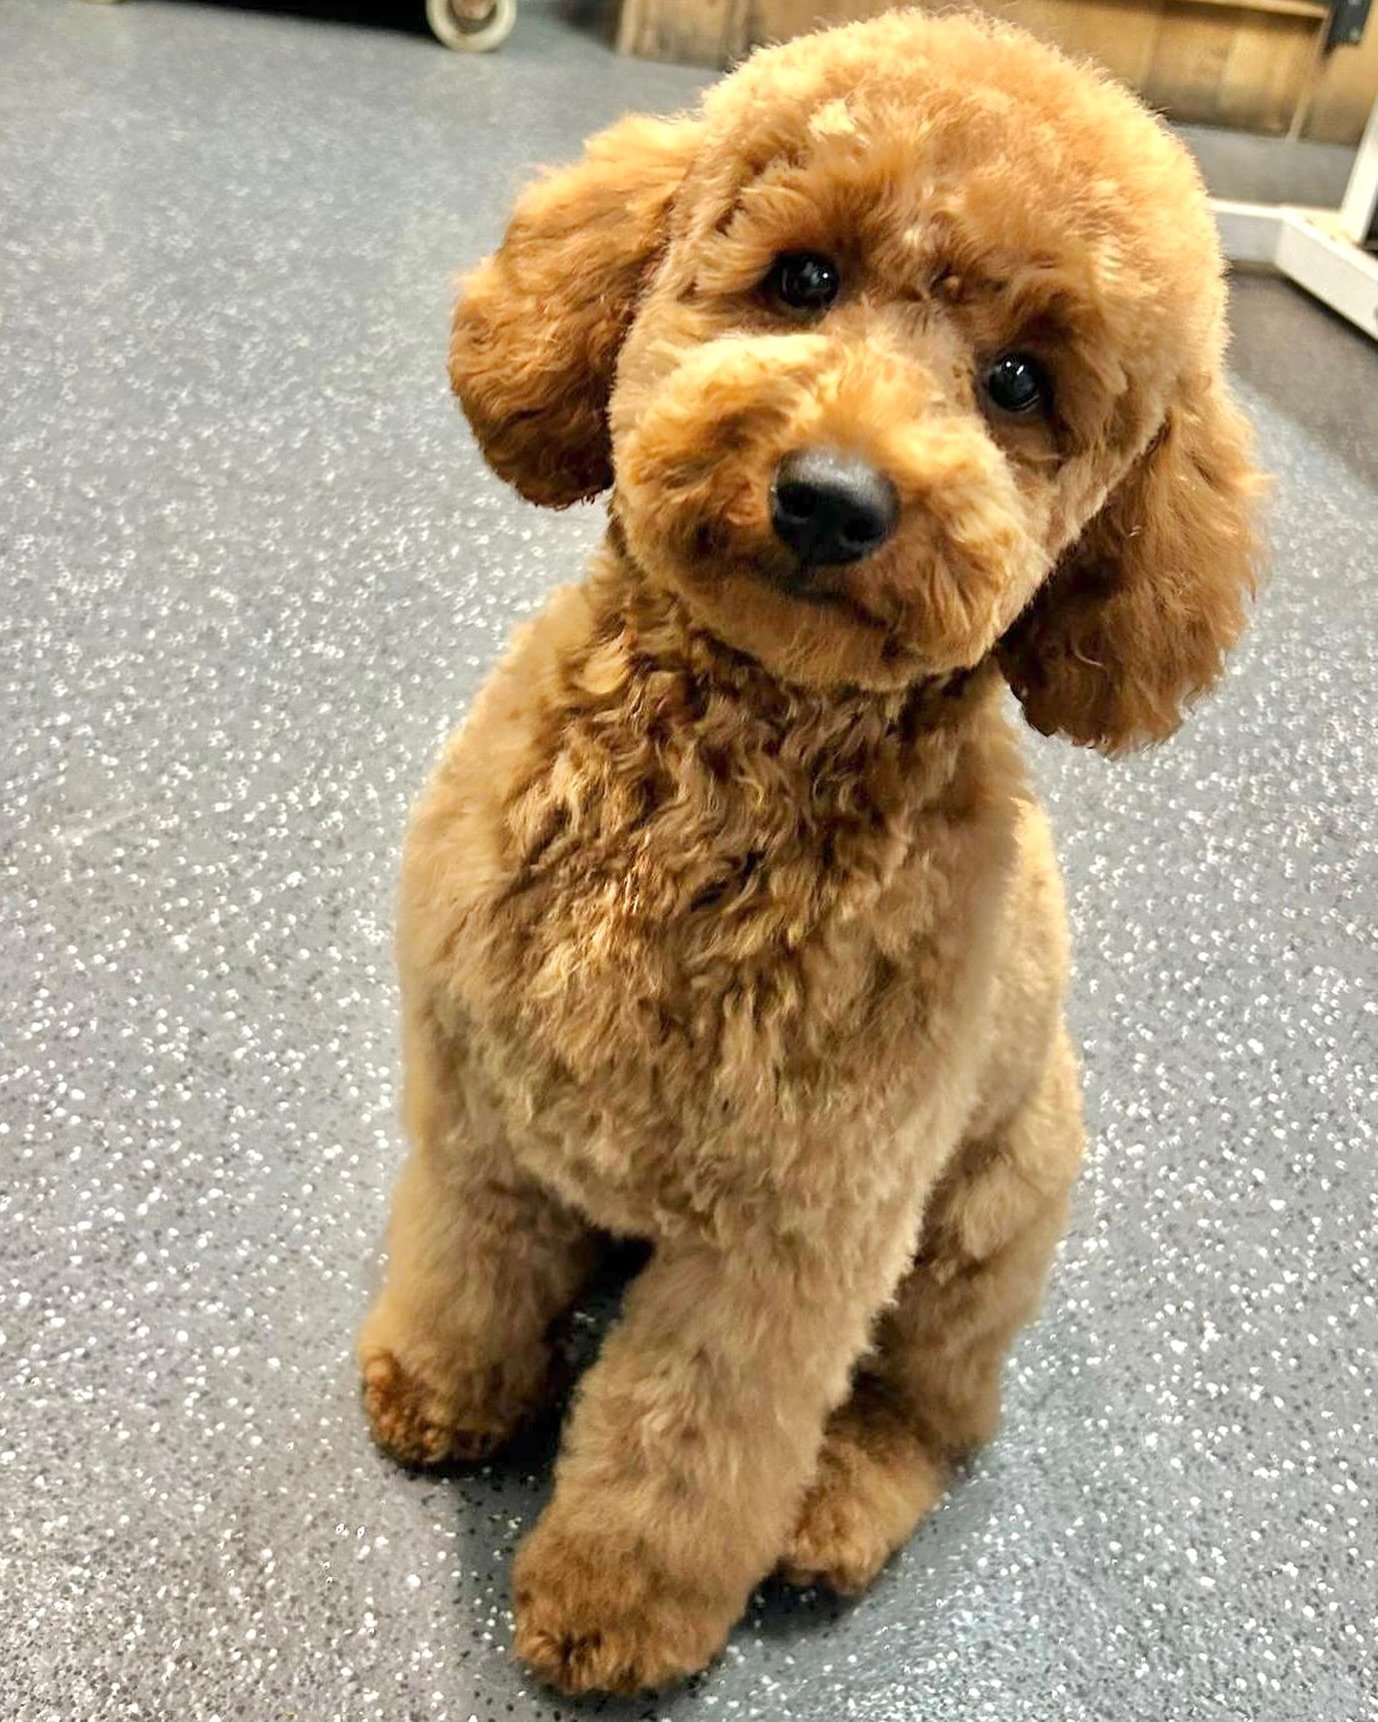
(903,351)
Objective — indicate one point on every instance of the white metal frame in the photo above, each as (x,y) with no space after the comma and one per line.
(1322,250)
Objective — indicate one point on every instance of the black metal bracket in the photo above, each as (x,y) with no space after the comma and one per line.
(1345,27)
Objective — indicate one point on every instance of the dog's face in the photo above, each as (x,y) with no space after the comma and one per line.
(905,351)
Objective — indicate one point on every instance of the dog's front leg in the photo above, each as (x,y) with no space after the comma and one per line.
(689,1448)
(456,1352)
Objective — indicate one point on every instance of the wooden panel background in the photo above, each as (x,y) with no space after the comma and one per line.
(1345,90)
(1254,64)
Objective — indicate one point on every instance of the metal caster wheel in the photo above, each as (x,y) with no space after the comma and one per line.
(461,24)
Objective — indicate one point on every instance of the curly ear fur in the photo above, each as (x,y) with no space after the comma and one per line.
(538,324)
(1137,617)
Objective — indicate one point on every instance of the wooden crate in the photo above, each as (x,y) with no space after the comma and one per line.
(1255,64)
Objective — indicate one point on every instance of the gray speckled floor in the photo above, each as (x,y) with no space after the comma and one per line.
(252,572)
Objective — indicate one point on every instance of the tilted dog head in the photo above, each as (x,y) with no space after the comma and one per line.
(905,350)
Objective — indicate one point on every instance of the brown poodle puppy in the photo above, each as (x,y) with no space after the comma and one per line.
(729,920)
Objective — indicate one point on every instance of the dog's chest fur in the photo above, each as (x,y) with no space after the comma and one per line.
(694,920)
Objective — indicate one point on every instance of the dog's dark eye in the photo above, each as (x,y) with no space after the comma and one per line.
(1016,383)
(803,281)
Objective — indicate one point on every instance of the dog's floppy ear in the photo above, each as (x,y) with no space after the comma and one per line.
(539,323)
(1137,617)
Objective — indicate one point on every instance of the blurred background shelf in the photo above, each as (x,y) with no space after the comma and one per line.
(1259,65)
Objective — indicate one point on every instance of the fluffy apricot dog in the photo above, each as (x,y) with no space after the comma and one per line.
(729,921)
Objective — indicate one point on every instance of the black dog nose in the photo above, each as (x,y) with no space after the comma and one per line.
(831,507)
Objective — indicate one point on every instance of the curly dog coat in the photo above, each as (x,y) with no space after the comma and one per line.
(729,920)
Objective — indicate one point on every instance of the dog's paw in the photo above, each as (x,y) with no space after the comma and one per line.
(596,1615)
(421,1425)
(872,1487)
